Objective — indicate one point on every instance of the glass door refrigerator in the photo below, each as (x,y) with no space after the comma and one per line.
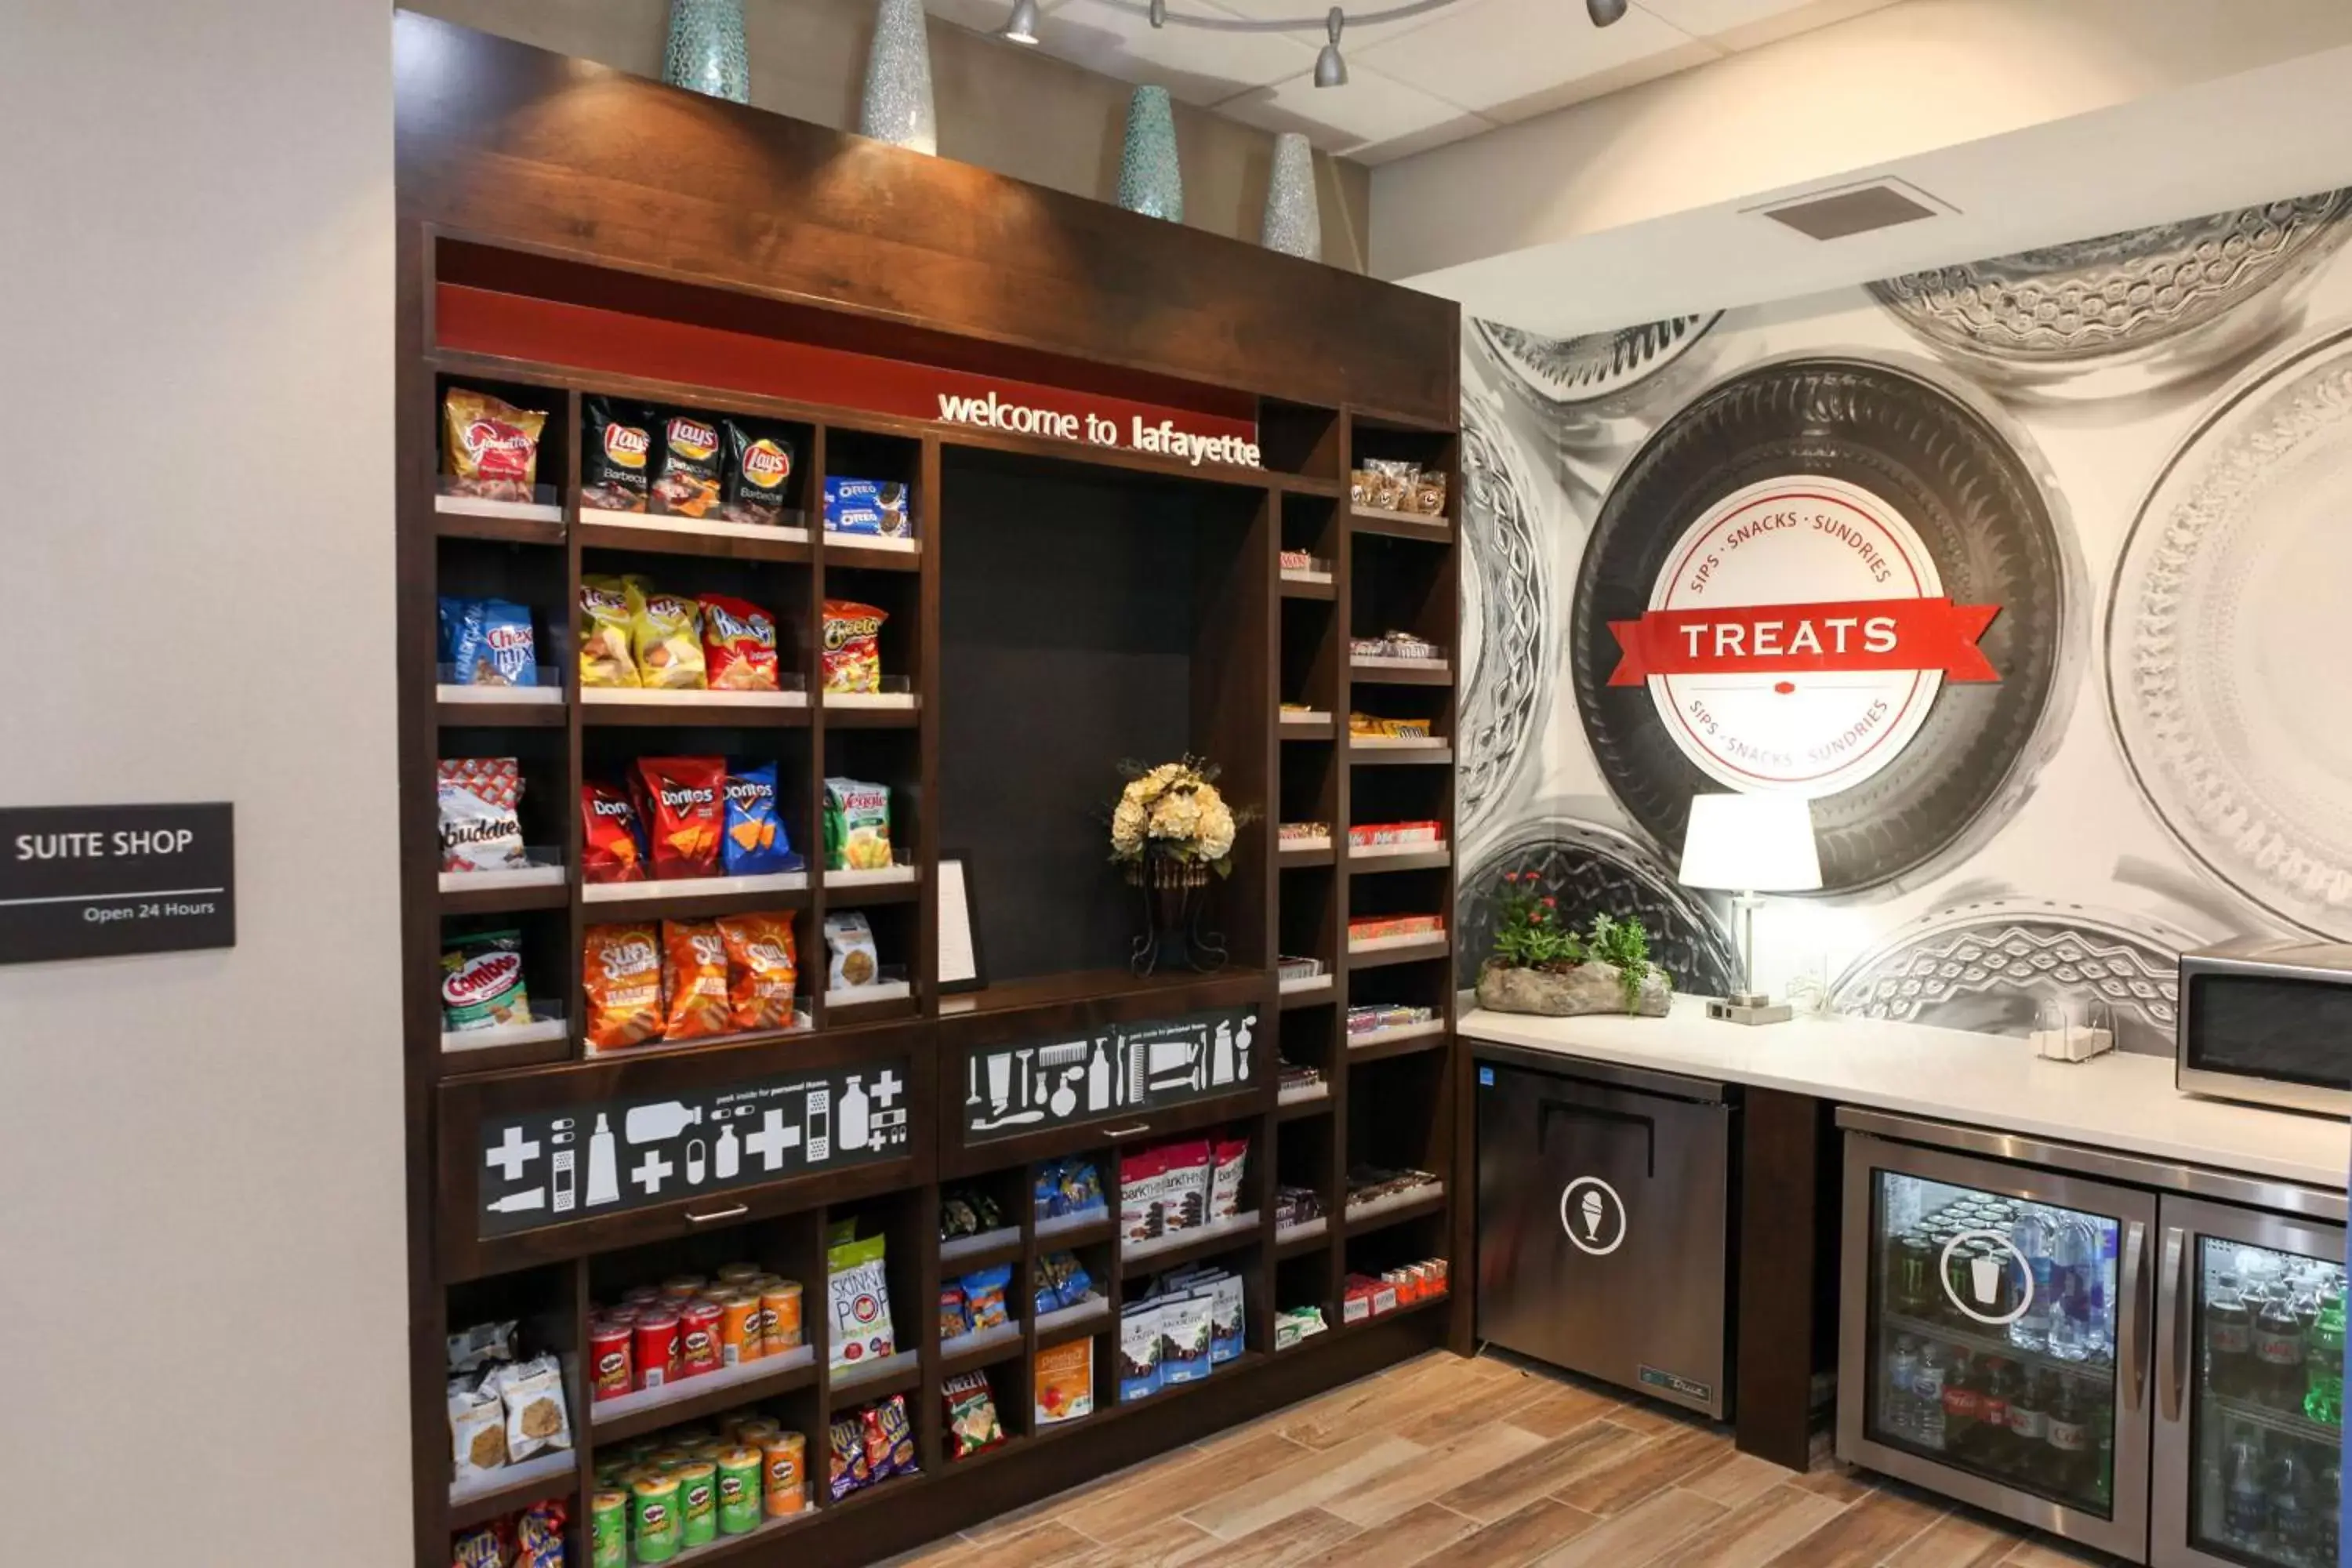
(2249,1388)
(1994,1335)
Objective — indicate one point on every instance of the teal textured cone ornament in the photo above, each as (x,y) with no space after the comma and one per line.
(1293,225)
(896,108)
(706,52)
(1149,180)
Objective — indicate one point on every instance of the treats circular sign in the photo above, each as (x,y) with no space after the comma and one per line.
(1798,636)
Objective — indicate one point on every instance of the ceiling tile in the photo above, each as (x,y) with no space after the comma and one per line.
(1748,24)
(1375,153)
(1357,33)
(1485,56)
(1371,109)
(1197,65)
(980,16)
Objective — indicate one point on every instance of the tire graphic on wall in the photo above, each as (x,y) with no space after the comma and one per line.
(1591,869)
(1837,482)
(1591,371)
(1507,675)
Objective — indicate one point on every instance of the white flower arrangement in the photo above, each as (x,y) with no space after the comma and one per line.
(1175,812)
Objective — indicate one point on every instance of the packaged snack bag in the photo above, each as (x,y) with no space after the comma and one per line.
(1185,1325)
(953,1322)
(533,1394)
(538,1536)
(605,658)
(872,507)
(611,851)
(758,467)
(688,484)
(972,1424)
(621,973)
(1141,1177)
(1140,1351)
(850,936)
(1184,1198)
(1225,1307)
(480,829)
(755,842)
(857,1287)
(1065,1382)
(680,800)
(477,1429)
(738,645)
(853,645)
(665,637)
(1228,1160)
(763,970)
(694,980)
(490,448)
(983,1296)
(856,826)
(481,982)
(485,1547)
(487,642)
(616,444)
(887,1424)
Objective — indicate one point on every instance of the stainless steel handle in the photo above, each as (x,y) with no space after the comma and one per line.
(1128,1131)
(2132,1314)
(722,1214)
(2168,1291)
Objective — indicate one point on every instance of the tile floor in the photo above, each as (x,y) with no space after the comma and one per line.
(1487,1463)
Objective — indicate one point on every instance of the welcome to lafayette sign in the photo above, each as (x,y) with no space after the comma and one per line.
(1162,435)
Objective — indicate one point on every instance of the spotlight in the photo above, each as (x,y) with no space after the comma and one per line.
(1020,28)
(1330,70)
(1158,13)
(1604,12)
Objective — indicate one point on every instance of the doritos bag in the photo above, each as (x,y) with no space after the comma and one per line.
(755,842)
(621,972)
(738,645)
(612,847)
(763,970)
(694,977)
(680,800)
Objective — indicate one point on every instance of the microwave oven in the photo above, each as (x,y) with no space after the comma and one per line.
(2269,1022)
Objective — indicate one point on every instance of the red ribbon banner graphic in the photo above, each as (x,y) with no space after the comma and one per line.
(1771,639)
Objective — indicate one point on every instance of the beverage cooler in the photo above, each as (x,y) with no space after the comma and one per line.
(2144,1357)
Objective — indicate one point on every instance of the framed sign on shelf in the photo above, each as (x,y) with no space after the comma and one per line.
(962,968)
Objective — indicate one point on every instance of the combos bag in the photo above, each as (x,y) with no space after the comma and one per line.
(679,800)
(759,468)
(853,645)
(694,977)
(763,970)
(665,635)
(621,972)
(490,448)
(617,450)
(755,844)
(606,656)
(481,982)
(611,846)
(738,645)
(687,485)
(480,829)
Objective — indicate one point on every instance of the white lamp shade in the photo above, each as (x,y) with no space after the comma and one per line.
(1751,844)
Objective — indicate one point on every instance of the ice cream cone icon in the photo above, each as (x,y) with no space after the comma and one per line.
(1592,1208)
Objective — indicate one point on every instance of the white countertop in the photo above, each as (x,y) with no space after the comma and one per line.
(2115,1101)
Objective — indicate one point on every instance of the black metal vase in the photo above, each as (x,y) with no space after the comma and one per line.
(1174,897)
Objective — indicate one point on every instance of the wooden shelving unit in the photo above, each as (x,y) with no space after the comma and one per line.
(1171,630)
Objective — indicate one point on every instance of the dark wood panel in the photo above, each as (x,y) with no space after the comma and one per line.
(1786,1258)
(504,141)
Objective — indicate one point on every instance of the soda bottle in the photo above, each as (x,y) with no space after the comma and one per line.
(2290,1522)
(2327,1510)
(2277,1339)
(2244,1509)
(2029,1422)
(1960,1403)
(2323,1399)
(2074,1255)
(2068,1445)
(1993,1449)
(2229,1339)
(2031,1238)
(1901,1417)
(1927,1398)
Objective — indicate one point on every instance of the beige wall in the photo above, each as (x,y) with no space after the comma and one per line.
(1012,110)
(201,1232)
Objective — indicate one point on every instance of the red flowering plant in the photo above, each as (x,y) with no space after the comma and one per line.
(1531,934)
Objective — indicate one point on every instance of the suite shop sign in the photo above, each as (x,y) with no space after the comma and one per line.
(98,881)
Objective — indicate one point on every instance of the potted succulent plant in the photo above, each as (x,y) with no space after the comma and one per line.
(1172,831)
(1540,964)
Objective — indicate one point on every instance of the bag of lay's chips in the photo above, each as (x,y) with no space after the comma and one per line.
(759,470)
(755,842)
(616,443)
(738,645)
(605,658)
(665,637)
(687,482)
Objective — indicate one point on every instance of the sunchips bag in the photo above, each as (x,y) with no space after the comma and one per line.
(490,447)
(612,846)
(680,801)
(738,645)
(605,657)
(763,970)
(687,485)
(665,635)
(694,980)
(759,471)
(616,444)
(622,976)
(755,844)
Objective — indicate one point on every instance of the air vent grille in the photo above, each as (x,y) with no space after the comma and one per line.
(1857,210)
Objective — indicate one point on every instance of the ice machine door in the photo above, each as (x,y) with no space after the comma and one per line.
(1603,1231)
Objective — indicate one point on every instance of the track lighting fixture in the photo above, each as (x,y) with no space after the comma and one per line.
(1330,70)
(1158,13)
(1020,28)
(1604,12)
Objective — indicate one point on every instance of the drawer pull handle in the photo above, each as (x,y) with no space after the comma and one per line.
(1128,1131)
(722,1214)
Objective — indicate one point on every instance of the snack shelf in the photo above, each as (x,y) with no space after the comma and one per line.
(654,533)
(512,1488)
(1073,1323)
(1187,1246)
(1304,1237)
(982,1347)
(875,701)
(548,695)
(1311,1105)
(547,1023)
(1399,1039)
(1390,751)
(1307,1095)
(630,705)
(1312,485)
(1305,986)
(1304,852)
(879,1378)
(1349,1331)
(1400,524)
(504,897)
(1075,1230)
(884,885)
(685,899)
(544,509)
(873,551)
(544,871)
(654,891)
(1308,585)
(1386,949)
(1400,672)
(1160,1396)
(649,1409)
(802,1024)
(1400,857)
(1399,1208)
(897,990)
(988,1247)
(729,1545)
(472,713)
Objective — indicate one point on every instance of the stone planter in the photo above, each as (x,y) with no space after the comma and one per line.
(1587,988)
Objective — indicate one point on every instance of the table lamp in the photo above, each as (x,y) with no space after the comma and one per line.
(1746,845)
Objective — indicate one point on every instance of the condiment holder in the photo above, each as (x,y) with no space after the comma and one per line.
(2064,1032)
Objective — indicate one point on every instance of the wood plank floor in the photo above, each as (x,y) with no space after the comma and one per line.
(1485,1463)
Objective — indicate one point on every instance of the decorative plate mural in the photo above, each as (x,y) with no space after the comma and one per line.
(1990,966)
(1826,577)
(1507,672)
(1591,369)
(2228,682)
(1592,870)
